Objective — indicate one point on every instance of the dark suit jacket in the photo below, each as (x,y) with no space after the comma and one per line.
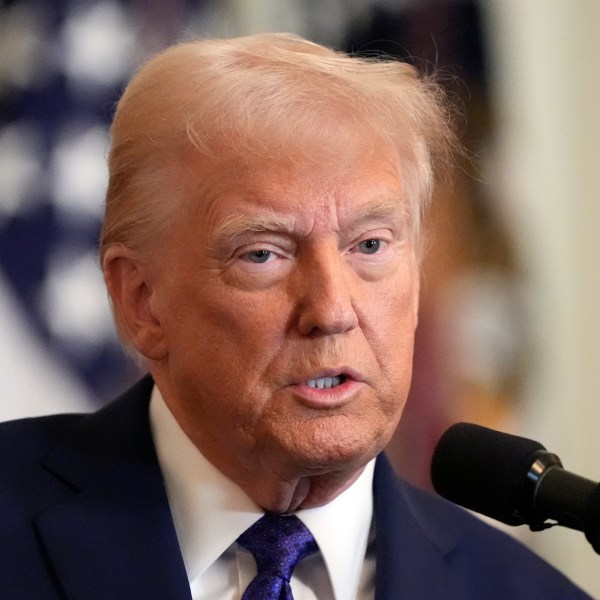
(84,515)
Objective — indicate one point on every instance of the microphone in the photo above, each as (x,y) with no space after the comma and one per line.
(513,480)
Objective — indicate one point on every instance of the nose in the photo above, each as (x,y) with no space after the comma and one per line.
(326,301)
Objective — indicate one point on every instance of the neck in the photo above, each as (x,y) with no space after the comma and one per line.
(281,496)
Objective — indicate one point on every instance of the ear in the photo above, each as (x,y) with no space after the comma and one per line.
(131,295)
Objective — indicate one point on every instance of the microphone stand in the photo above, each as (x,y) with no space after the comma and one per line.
(591,526)
(568,499)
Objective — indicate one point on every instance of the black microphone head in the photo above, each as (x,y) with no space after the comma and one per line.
(484,470)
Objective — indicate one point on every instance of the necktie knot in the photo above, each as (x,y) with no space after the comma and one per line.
(277,543)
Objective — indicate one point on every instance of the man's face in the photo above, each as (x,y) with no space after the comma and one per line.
(287,296)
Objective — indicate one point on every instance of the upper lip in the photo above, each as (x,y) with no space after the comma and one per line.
(347,372)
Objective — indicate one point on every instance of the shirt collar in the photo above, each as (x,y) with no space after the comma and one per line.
(210,511)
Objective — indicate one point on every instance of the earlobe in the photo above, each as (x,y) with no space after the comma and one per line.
(131,295)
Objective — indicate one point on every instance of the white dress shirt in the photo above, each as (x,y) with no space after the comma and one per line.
(210,512)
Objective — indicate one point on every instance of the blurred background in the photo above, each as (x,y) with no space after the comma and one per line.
(509,332)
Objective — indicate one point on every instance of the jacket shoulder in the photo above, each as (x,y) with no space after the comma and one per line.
(489,562)
(28,440)
(429,547)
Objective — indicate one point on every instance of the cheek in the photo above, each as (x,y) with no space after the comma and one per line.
(217,315)
(392,313)
(240,307)
(224,350)
(391,329)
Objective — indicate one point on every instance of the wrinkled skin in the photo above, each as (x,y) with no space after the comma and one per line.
(277,273)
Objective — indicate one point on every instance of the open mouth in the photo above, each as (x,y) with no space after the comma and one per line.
(322,383)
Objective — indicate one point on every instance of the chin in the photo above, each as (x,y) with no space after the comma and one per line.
(323,454)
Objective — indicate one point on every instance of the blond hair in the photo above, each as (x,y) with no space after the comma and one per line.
(261,94)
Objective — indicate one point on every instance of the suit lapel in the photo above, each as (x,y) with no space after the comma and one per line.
(411,545)
(114,536)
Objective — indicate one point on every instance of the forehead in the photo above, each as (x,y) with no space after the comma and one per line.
(305,185)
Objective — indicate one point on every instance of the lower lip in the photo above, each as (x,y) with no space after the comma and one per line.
(332,397)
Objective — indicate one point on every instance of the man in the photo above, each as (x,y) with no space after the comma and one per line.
(261,249)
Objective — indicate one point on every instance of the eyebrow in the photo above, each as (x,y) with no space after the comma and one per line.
(386,207)
(238,223)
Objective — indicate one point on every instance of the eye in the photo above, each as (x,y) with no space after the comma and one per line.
(258,256)
(371,246)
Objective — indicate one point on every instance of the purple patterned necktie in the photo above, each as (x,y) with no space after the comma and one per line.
(278,543)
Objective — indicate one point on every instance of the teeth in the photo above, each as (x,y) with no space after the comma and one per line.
(325,382)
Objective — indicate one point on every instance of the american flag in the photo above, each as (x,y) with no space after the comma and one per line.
(62,66)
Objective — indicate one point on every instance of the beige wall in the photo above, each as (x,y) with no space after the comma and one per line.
(546,175)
